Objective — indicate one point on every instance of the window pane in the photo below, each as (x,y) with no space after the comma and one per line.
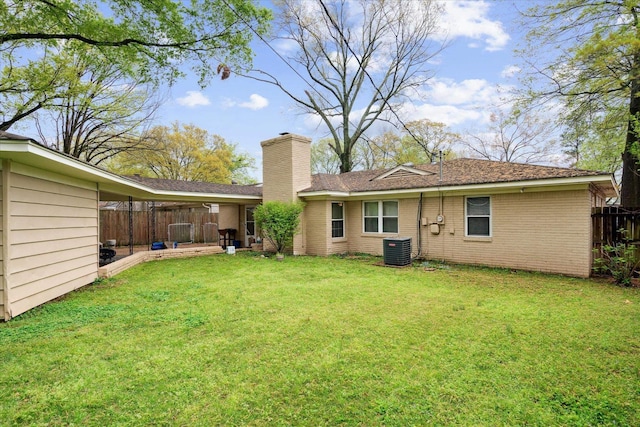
(478,226)
(389,208)
(371,225)
(370,208)
(478,206)
(336,211)
(337,229)
(390,225)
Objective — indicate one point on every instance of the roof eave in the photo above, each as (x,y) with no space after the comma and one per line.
(604,182)
(31,153)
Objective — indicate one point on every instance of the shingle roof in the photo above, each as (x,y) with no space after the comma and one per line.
(454,172)
(198,187)
(8,135)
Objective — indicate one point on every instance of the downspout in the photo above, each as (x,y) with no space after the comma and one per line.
(6,273)
(419,226)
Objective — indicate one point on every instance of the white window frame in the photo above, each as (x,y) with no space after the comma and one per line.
(380,217)
(341,204)
(467,216)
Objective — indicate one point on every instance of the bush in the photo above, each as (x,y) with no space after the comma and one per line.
(619,260)
(278,222)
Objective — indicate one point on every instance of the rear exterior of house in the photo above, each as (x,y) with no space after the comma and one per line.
(49,205)
(470,211)
(547,231)
(463,211)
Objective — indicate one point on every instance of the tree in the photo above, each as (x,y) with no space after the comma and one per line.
(98,113)
(361,57)
(595,64)
(149,41)
(592,141)
(513,136)
(183,152)
(278,222)
(378,152)
(323,158)
(431,137)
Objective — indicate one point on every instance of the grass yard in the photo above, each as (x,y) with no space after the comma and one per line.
(244,340)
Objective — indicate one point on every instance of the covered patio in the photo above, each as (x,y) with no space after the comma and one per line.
(51,221)
(191,217)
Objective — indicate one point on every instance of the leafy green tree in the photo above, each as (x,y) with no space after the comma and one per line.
(323,158)
(419,142)
(278,222)
(432,137)
(593,141)
(183,152)
(588,56)
(98,113)
(361,58)
(379,152)
(151,41)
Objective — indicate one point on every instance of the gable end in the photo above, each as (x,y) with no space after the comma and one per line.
(402,171)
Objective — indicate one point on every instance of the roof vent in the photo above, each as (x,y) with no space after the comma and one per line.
(402,171)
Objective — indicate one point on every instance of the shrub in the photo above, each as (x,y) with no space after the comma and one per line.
(278,222)
(620,260)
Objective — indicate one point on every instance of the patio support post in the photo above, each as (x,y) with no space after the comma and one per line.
(153,221)
(130,225)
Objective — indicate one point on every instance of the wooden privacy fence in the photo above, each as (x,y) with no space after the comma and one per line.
(114,224)
(613,224)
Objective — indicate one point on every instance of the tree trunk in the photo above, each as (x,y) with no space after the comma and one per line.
(630,194)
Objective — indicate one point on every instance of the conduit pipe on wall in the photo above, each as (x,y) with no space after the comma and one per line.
(419,227)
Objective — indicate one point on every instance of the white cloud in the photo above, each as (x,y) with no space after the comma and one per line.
(256,102)
(193,99)
(510,71)
(470,91)
(469,19)
(447,114)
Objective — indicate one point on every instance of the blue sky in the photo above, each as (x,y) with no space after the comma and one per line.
(469,75)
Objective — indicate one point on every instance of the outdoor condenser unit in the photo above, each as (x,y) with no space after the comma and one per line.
(397,251)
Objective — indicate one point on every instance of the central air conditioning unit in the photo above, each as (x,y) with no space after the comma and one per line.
(397,251)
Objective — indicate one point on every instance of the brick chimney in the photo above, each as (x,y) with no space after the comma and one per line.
(286,169)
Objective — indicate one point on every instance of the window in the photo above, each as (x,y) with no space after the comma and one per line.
(379,216)
(337,219)
(478,216)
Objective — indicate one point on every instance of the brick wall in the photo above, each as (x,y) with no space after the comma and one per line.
(286,169)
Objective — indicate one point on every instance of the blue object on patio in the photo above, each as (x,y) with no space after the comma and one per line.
(156,246)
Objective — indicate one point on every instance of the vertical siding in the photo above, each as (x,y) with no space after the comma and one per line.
(53,226)
(4,312)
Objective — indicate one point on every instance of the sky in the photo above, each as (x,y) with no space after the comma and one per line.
(476,68)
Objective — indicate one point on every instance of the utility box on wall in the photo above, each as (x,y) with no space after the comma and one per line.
(397,251)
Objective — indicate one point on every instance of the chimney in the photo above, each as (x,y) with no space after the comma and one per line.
(286,169)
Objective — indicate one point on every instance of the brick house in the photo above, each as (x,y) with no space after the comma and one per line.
(464,211)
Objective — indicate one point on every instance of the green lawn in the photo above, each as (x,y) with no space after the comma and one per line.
(245,340)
